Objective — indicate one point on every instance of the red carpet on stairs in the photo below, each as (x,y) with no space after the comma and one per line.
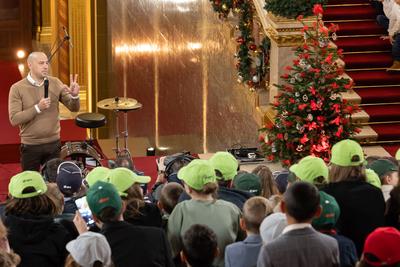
(366,58)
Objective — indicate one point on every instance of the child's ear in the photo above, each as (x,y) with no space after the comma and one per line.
(242,224)
(160,205)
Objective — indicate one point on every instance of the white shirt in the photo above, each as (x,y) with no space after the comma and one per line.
(386,188)
(33,82)
(387,7)
(296,226)
(394,20)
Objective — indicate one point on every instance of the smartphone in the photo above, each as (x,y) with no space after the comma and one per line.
(85,211)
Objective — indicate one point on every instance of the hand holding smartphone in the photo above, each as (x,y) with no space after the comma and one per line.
(85,212)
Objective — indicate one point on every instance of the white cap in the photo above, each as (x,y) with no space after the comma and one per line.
(272,226)
(88,248)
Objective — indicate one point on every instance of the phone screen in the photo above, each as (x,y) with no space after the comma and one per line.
(85,211)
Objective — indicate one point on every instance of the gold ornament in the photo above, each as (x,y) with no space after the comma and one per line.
(224,7)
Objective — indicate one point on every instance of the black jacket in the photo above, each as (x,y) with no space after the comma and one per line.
(362,209)
(137,245)
(235,196)
(38,240)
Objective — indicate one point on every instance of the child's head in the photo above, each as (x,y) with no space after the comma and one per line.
(199,178)
(311,169)
(330,213)
(381,247)
(397,2)
(347,162)
(386,170)
(301,202)
(255,210)
(169,197)
(200,246)
(69,178)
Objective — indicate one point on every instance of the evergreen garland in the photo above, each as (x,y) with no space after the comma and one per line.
(291,9)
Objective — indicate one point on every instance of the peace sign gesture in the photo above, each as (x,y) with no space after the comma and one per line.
(73,88)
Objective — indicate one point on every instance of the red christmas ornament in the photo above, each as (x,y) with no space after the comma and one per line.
(286,162)
(253,47)
(302,106)
(240,40)
(279,136)
(304,139)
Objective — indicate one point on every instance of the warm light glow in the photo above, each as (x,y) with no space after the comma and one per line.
(182,9)
(179,1)
(162,148)
(139,48)
(194,46)
(21,54)
(21,68)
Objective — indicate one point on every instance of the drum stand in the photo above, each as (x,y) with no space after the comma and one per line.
(123,155)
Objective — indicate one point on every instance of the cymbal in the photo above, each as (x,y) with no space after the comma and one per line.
(119,103)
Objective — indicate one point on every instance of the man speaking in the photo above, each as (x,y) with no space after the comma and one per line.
(33,106)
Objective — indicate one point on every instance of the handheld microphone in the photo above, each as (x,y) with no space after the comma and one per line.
(46,88)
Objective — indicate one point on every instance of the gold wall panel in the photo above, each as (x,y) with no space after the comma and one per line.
(176,58)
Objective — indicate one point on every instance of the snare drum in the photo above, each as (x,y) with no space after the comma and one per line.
(81,151)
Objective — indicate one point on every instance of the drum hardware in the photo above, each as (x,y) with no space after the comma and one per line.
(86,152)
(118,105)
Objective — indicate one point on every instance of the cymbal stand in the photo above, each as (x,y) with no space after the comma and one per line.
(123,155)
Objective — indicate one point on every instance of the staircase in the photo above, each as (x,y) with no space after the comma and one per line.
(366,58)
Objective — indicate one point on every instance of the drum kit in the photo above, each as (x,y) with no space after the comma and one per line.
(88,153)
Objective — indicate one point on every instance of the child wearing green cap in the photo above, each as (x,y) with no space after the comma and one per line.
(131,245)
(221,216)
(138,212)
(362,205)
(388,173)
(33,234)
(326,224)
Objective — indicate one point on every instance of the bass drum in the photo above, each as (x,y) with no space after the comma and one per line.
(81,152)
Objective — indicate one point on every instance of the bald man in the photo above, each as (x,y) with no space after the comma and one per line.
(37,116)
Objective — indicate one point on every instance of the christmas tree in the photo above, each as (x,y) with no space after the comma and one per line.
(311,113)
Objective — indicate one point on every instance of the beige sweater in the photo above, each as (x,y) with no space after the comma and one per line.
(38,128)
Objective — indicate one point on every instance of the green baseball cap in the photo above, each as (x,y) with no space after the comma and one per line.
(197,174)
(397,156)
(97,174)
(23,180)
(102,195)
(383,166)
(225,163)
(309,168)
(248,182)
(373,178)
(330,212)
(344,153)
(123,178)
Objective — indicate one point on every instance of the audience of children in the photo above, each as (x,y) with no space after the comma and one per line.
(299,244)
(205,229)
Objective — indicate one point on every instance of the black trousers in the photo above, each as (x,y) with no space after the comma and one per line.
(33,156)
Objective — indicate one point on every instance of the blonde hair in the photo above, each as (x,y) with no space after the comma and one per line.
(349,173)
(54,193)
(268,185)
(9,259)
(255,209)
